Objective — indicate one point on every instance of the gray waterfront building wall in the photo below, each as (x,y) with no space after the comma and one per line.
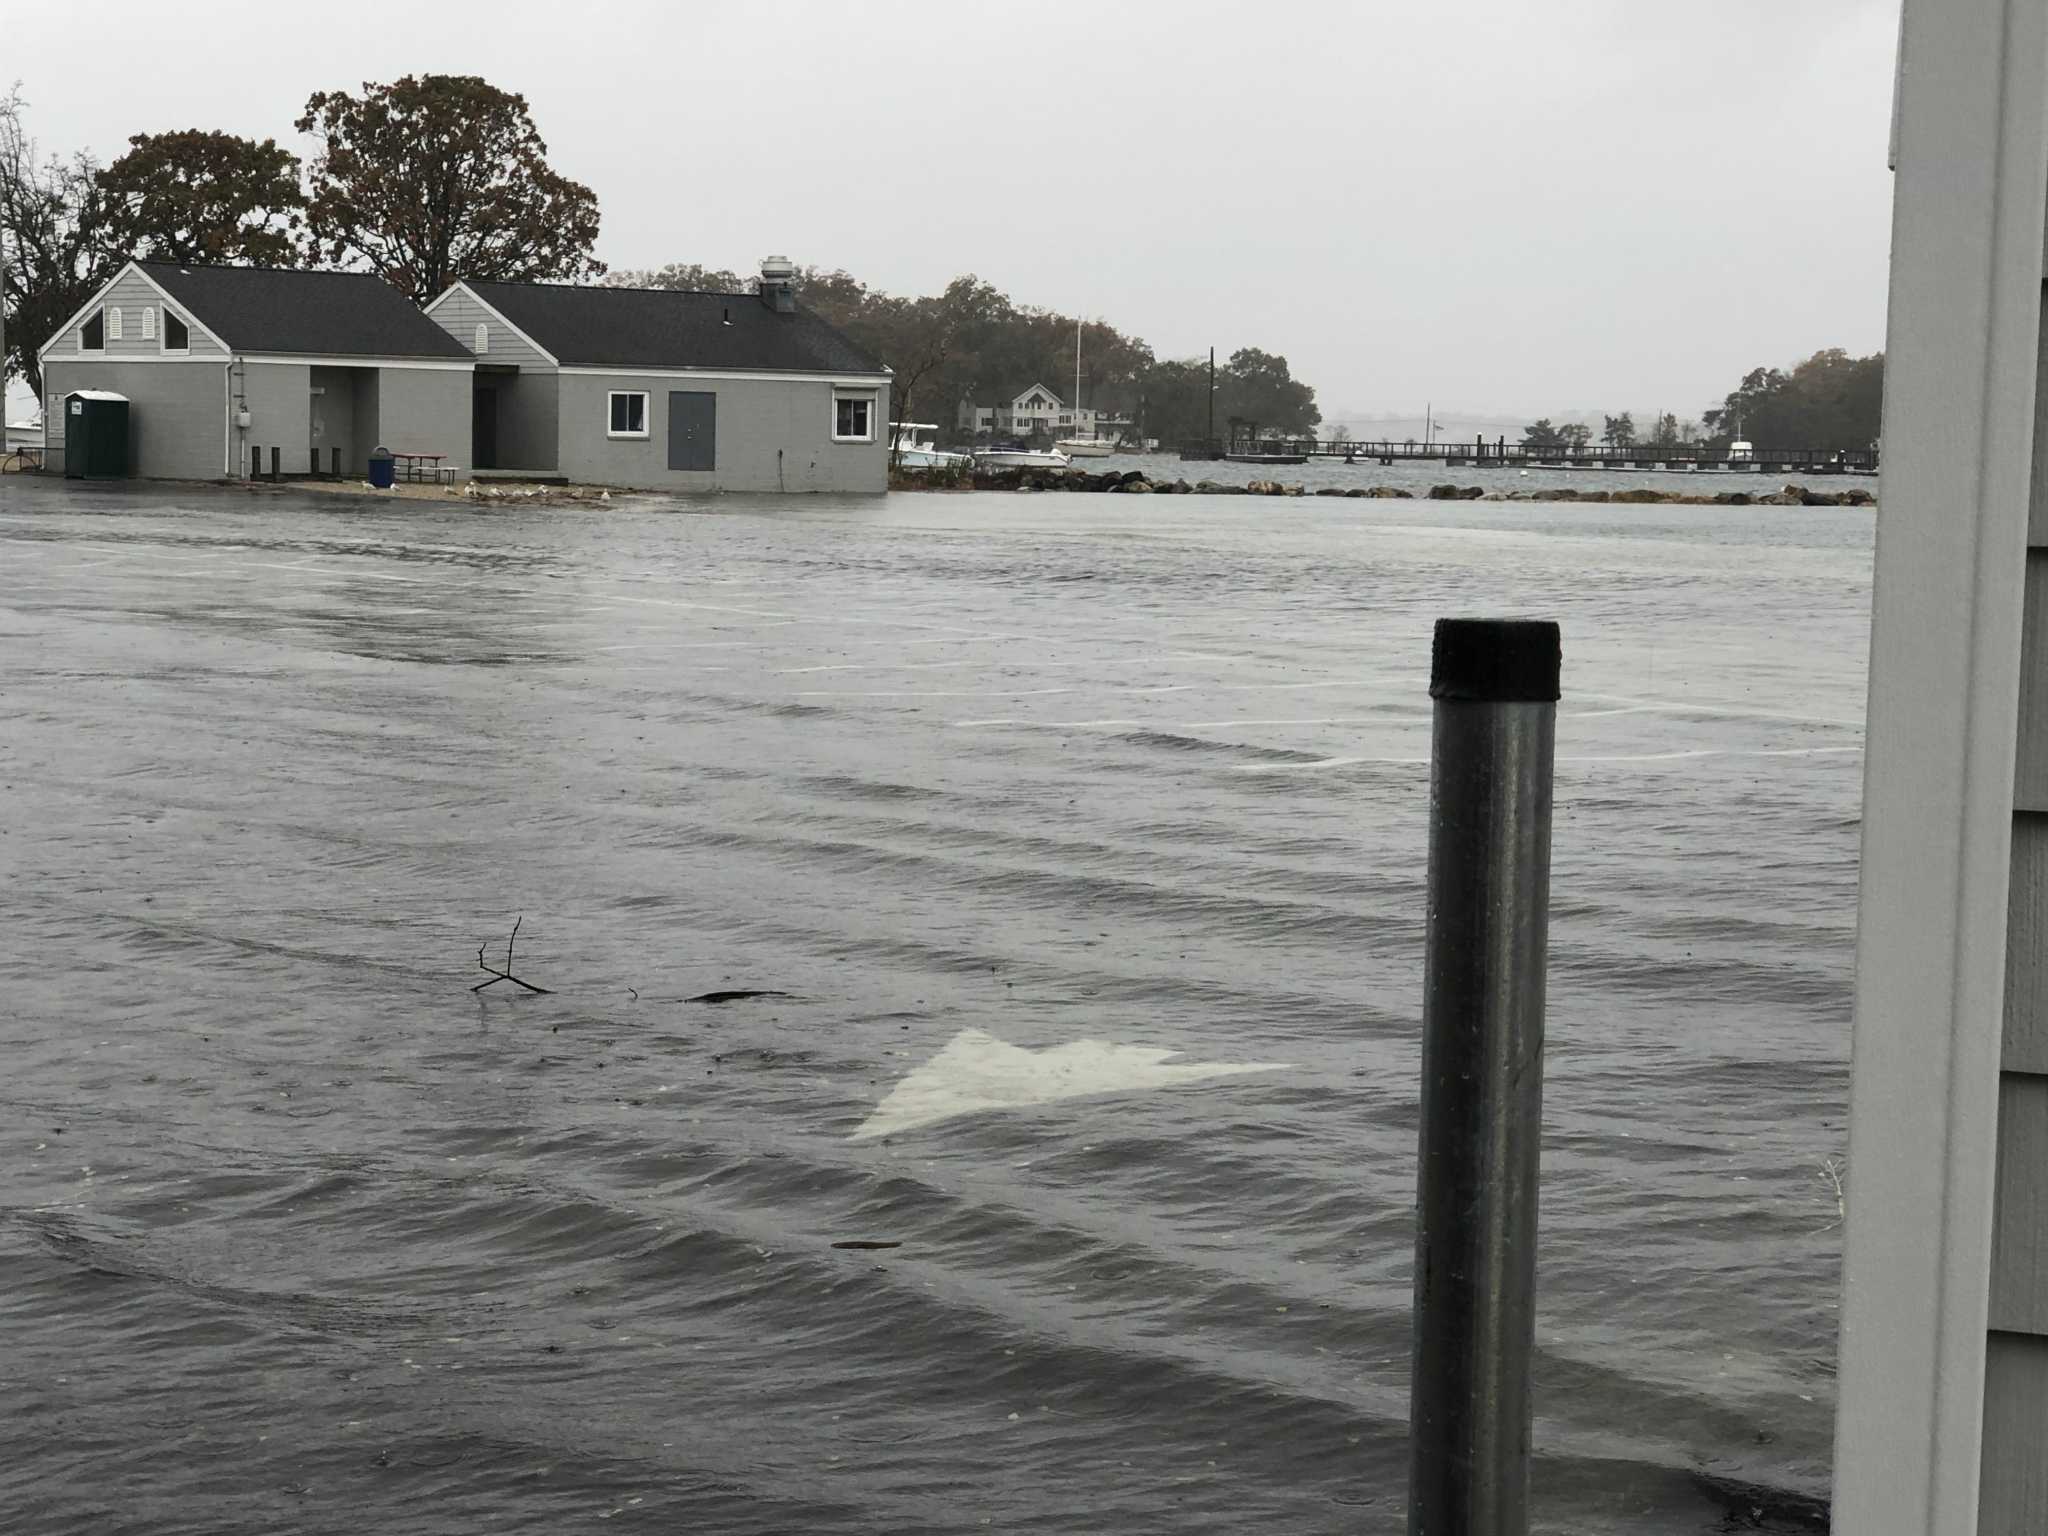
(772,435)
(177,418)
(425,410)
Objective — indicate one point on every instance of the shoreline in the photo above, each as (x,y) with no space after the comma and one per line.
(1135,482)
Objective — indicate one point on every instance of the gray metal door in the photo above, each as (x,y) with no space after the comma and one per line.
(692,429)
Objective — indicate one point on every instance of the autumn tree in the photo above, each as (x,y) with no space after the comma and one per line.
(1831,400)
(203,197)
(439,177)
(1256,386)
(682,277)
(49,222)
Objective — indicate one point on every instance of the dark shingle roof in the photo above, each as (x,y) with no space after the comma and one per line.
(662,328)
(278,309)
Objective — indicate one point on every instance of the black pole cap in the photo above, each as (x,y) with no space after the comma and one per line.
(1496,661)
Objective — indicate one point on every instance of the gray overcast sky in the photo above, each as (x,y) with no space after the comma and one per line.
(1500,206)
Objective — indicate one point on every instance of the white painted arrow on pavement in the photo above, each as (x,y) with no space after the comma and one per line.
(977,1072)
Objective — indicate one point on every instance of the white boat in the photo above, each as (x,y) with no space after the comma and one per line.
(1082,447)
(909,451)
(1020,458)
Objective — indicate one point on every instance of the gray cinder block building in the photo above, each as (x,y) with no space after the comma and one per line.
(219,361)
(662,390)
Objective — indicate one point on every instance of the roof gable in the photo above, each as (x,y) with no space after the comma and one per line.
(659,328)
(290,310)
(1037,389)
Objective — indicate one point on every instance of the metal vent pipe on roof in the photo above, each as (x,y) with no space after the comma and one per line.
(778,284)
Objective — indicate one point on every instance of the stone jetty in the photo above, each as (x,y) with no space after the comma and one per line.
(1132,482)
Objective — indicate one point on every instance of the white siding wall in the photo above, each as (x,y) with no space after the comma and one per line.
(459,315)
(132,296)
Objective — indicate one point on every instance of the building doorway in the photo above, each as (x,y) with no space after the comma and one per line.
(483,431)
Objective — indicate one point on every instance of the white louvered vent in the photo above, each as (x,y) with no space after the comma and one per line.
(149,322)
(483,338)
(114,325)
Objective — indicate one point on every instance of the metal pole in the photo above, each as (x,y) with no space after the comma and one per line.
(1495,683)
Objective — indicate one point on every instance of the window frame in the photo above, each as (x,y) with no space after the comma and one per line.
(482,340)
(163,335)
(646,415)
(862,397)
(115,330)
(99,315)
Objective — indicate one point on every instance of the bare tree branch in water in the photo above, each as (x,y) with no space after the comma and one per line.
(506,974)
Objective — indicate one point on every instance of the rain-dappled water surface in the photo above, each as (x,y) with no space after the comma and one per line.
(1018,799)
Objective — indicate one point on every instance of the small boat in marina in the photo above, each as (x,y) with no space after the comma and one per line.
(910,451)
(1082,447)
(1020,458)
(1085,447)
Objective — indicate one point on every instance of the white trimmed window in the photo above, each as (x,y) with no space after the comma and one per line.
(149,322)
(483,339)
(114,323)
(853,418)
(92,336)
(628,413)
(177,337)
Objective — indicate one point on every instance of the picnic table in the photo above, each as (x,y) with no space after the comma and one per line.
(417,466)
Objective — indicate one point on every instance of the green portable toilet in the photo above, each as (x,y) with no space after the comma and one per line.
(95,435)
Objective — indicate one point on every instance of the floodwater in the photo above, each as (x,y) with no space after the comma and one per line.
(1085,837)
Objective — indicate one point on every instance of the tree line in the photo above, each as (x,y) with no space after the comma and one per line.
(1830,401)
(421,181)
(432,178)
(972,342)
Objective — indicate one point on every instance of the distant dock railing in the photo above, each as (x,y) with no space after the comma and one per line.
(1678,457)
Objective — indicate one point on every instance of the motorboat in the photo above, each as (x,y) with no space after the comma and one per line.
(1020,458)
(910,451)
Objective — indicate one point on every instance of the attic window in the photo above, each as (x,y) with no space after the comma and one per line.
(92,336)
(149,322)
(483,339)
(177,338)
(114,323)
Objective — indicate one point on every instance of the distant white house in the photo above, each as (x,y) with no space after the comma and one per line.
(1039,410)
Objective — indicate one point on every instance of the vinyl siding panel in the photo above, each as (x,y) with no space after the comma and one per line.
(2012,1498)
(2019,1234)
(2030,776)
(177,413)
(772,435)
(460,315)
(132,295)
(2026,947)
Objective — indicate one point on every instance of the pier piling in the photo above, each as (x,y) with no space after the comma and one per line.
(1495,686)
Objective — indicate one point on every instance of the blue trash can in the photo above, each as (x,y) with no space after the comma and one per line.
(382,468)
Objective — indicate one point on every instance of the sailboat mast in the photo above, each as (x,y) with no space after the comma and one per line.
(1212,398)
